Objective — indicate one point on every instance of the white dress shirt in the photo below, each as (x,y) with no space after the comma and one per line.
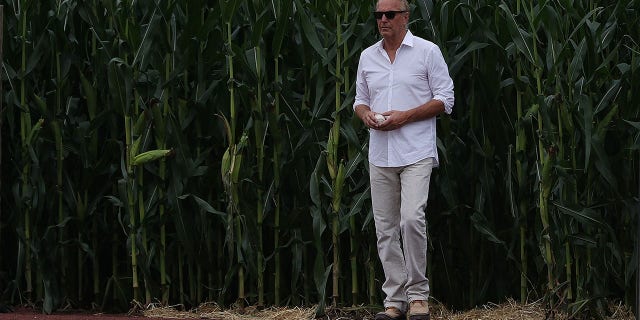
(417,75)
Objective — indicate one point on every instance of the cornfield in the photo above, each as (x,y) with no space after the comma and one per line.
(181,152)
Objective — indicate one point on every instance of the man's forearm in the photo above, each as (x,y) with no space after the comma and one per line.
(426,111)
(361,110)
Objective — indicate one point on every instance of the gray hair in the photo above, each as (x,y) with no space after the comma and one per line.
(405,4)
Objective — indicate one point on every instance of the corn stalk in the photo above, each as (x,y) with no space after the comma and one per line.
(232,158)
(336,167)
(259,130)
(162,144)
(1,104)
(281,12)
(521,146)
(545,166)
(255,60)
(277,151)
(230,170)
(90,95)
(28,131)
(57,133)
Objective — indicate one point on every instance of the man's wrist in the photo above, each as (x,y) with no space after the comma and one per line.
(361,111)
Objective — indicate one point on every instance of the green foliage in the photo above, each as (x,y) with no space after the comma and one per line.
(535,196)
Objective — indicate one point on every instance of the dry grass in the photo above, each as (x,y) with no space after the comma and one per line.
(512,310)
(506,311)
(213,311)
(509,310)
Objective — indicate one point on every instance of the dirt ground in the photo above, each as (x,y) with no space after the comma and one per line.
(21,313)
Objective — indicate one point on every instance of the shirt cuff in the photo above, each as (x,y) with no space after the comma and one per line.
(448,103)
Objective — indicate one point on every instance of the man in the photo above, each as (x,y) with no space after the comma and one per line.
(405,79)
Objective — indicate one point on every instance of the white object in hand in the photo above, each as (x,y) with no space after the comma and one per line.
(380,118)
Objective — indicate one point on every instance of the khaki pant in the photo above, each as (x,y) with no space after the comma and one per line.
(399,199)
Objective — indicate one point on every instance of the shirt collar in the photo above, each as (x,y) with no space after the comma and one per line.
(408,40)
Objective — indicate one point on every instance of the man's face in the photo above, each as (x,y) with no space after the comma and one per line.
(390,28)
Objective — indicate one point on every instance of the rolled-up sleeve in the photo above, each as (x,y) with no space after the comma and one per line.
(362,90)
(439,80)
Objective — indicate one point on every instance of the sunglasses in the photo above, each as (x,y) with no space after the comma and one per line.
(389,14)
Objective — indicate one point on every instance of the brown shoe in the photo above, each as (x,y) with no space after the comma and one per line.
(419,310)
(390,313)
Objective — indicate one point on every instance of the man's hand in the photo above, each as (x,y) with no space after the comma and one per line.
(394,120)
(367,116)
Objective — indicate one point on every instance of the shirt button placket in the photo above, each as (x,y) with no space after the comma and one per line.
(389,106)
(390,89)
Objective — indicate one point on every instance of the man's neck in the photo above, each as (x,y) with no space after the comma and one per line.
(393,43)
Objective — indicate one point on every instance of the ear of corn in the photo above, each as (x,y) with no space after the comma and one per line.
(149,156)
(338,187)
(332,152)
